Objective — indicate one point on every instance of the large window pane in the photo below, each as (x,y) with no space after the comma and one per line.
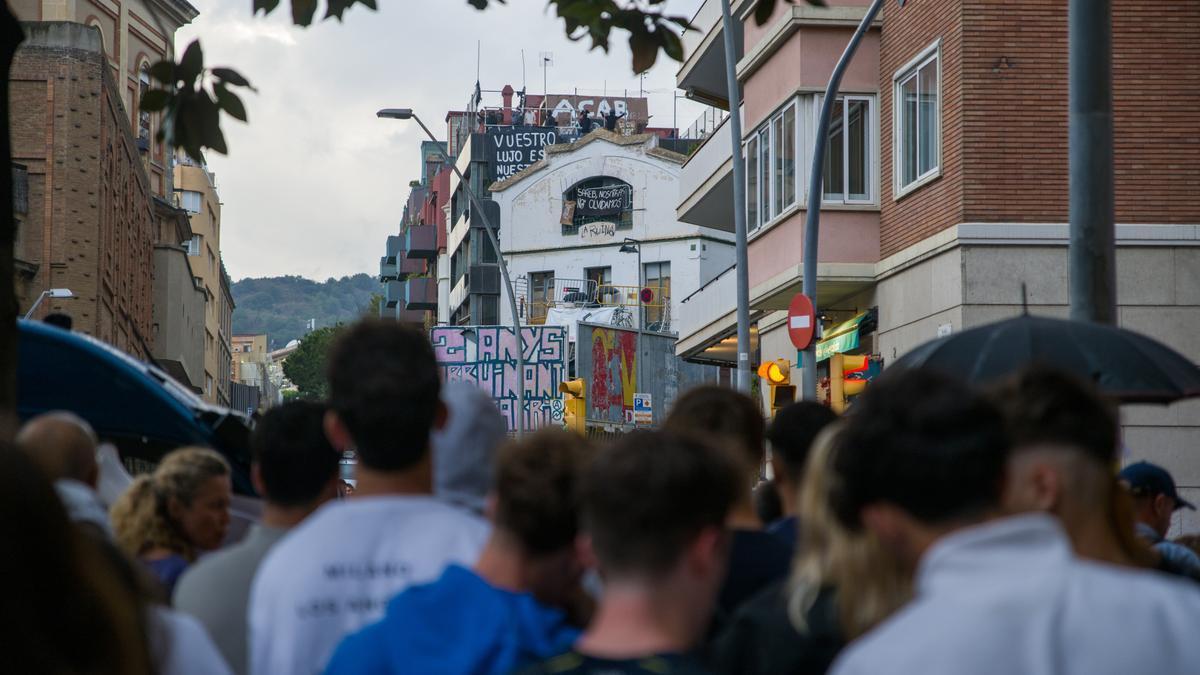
(789,156)
(764,174)
(858,151)
(752,183)
(777,185)
(834,155)
(908,131)
(927,90)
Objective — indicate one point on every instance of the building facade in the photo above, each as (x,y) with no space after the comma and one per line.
(571,225)
(106,224)
(945,194)
(252,367)
(197,190)
(90,225)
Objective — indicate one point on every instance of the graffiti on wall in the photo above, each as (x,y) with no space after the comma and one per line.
(487,356)
(613,372)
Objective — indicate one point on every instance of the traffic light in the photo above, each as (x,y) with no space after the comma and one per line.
(841,387)
(777,373)
(574,405)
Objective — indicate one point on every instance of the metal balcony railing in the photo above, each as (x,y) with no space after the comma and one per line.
(540,297)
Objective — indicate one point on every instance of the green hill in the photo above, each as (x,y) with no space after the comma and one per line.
(282,306)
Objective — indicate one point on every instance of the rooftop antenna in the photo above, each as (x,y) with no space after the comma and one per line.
(547,59)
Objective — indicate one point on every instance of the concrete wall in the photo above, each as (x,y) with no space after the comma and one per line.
(178,313)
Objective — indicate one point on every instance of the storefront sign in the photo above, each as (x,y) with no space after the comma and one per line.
(603,201)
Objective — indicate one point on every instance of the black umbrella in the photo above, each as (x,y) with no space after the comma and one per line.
(1125,365)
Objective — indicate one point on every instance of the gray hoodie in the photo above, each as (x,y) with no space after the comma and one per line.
(464,450)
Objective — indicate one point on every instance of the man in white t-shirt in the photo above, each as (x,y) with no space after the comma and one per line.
(336,571)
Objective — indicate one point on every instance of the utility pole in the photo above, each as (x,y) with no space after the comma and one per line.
(741,262)
(1092,251)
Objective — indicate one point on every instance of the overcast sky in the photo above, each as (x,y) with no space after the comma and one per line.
(314,183)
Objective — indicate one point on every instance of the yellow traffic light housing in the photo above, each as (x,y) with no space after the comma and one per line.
(777,374)
(840,388)
(574,405)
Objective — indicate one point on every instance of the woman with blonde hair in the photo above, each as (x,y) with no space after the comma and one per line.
(842,584)
(167,517)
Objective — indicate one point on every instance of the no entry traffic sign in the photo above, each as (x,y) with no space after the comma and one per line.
(802,321)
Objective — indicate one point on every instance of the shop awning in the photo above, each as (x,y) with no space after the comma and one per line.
(841,338)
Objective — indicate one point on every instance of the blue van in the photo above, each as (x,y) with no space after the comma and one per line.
(135,406)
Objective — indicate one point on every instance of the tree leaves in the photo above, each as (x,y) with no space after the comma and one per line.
(191,100)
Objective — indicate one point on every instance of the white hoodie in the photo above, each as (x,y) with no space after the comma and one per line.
(1010,596)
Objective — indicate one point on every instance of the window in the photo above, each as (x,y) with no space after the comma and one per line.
(752,182)
(848,174)
(143,116)
(189,200)
(771,176)
(602,199)
(541,294)
(194,244)
(657,276)
(918,127)
(489,310)
(600,276)
(208,381)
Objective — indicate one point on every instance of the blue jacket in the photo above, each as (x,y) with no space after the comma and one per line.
(457,625)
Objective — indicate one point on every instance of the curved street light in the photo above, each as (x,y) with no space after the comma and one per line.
(407,113)
(56,293)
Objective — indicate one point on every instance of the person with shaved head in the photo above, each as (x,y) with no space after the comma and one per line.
(63,445)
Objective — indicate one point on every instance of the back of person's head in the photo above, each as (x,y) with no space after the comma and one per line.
(869,581)
(63,610)
(464,449)
(726,416)
(384,387)
(63,444)
(924,443)
(59,320)
(768,505)
(536,490)
(1044,406)
(296,464)
(646,497)
(143,516)
(792,432)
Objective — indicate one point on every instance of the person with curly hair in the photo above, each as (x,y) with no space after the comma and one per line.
(167,517)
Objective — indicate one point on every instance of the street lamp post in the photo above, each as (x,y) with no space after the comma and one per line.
(56,293)
(635,246)
(407,113)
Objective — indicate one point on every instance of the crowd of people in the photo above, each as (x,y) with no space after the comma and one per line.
(936,528)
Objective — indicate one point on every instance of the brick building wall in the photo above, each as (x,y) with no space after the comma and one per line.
(1004,113)
(90,226)
(937,205)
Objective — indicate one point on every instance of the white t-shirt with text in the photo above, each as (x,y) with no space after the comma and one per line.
(336,571)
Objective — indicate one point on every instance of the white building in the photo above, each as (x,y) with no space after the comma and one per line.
(565,218)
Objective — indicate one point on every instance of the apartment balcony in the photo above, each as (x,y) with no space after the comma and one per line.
(706,182)
(407,267)
(422,294)
(387,269)
(422,242)
(393,294)
(702,75)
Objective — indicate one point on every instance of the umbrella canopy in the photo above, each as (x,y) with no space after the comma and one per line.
(1125,365)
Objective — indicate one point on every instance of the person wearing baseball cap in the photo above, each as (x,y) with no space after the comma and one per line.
(1155,499)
